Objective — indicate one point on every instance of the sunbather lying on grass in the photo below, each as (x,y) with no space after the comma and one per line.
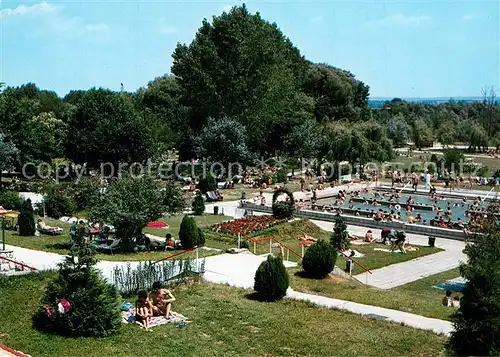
(43,226)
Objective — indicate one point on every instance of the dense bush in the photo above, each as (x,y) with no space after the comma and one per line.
(84,192)
(281,176)
(26,219)
(319,260)
(10,200)
(207,183)
(271,279)
(172,198)
(244,244)
(95,305)
(198,204)
(340,236)
(189,234)
(57,204)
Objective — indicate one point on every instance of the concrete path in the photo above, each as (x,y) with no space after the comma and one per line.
(402,273)
(239,270)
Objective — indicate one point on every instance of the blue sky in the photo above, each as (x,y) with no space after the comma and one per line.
(400,48)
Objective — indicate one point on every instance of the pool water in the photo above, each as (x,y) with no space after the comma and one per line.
(422,205)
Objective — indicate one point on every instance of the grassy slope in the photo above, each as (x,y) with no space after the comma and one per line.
(288,234)
(418,297)
(224,323)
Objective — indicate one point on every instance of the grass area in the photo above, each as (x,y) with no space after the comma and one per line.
(418,297)
(225,322)
(289,233)
(234,194)
(59,244)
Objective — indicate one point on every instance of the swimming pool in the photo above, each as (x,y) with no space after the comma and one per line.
(425,206)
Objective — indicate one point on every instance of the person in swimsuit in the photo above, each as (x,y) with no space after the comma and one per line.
(143,309)
(162,300)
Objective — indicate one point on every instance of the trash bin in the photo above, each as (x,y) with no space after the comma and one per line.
(216,210)
(432,241)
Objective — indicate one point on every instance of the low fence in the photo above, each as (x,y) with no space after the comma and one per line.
(367,222)
(130,280)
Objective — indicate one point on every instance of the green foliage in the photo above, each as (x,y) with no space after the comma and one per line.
(281,176)
(172,198)
(130,280)
(283,209)
(207,183)
(223,141)
(398,131)
(453,160)
(95,305)
(319,260)
(10,200)
(244,244)
(340,236)
(129,204)
(198,204)
(106,129)
(189,233)
(57,204)
(8,154)
(271,279)
(26,219)
(303,140)
(84,192)
(476,324)
(422,134)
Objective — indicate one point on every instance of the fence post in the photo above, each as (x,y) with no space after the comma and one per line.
(288,254)
(302,246)
(270,246)
(239,238)
(197,254)
(255,248)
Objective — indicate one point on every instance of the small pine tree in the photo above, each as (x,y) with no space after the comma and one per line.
(271,279)
(476,323)
(198,204)
(340,236)
(188,232)
(95,305)
(26,219)
(319,260)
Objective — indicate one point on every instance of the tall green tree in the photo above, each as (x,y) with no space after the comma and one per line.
(340,237)
(8,154)
(477,323)
(105,128)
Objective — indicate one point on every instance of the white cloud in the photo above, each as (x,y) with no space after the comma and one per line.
(399,20)
(317,19)
(468,17)
(35,9)
(167,30)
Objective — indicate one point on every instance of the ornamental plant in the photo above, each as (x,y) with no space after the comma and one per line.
(319,260)
(340,237)
(283,209)
(271,279)
(26,219)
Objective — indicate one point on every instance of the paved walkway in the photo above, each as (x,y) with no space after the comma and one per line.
(402,273)
(239,270)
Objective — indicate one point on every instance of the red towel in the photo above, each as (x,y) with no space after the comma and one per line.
(157,224)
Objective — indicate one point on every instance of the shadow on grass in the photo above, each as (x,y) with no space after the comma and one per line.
(304,275)
(252,296)
(60,246)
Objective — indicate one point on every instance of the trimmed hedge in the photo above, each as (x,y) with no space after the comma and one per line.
(319,260)
(271,279)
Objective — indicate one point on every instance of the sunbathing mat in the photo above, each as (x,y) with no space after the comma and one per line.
(455,285)
(128,317)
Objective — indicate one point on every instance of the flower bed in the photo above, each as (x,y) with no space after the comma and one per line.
(246,225)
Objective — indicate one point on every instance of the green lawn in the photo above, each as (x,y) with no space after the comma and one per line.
(59,244)
(418,297)
(224,322)
(289,233)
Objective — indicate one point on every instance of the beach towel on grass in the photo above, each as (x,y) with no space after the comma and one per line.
(128,317)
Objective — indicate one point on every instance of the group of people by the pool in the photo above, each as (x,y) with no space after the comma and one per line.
(444,217)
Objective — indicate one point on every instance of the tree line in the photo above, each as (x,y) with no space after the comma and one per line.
(239,91)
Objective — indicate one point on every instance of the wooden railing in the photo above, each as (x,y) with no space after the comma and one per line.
(271,240)
(180,253)
(24,266)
